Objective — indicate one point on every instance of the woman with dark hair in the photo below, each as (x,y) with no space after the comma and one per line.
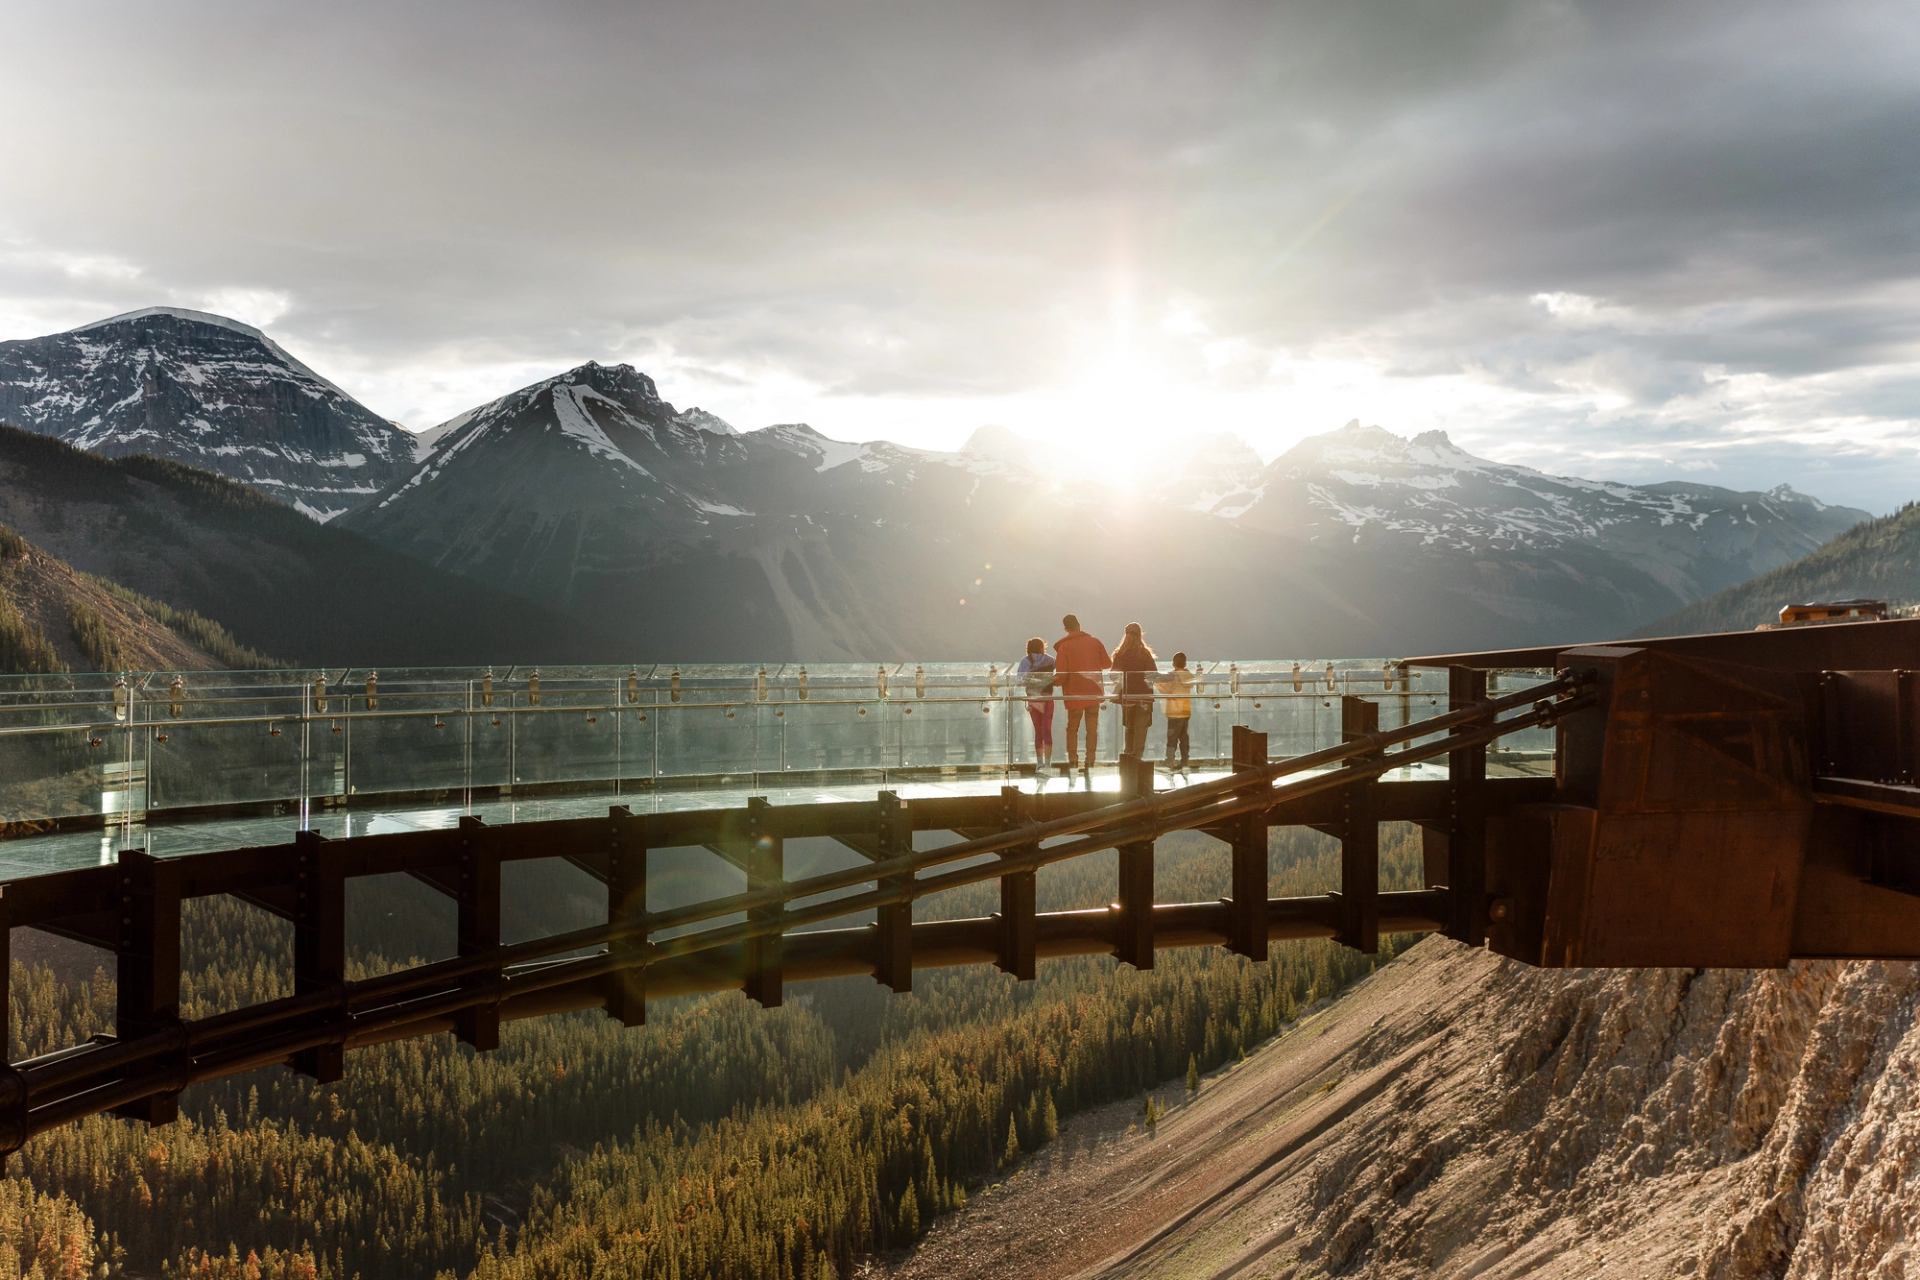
(1036,672)
(1136,665)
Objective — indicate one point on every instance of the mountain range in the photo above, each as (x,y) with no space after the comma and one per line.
(648,532)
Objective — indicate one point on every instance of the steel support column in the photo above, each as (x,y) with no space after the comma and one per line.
(1248,905)
(627,905)
(319,945)
(765,862)
(1133,938)
(148,967)
(13,1086)
(1359,836)
(1018,897)
(479,927)
(893,924)
(1467,818)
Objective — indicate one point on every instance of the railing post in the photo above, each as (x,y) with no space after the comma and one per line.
(765,870)
(893,923)
(319,945)
(1467,819)
(1359,835)
(1018,892)
(627,906)
(1133,940)
(1247,909)
(479,928)
(148,966)
(13,1086)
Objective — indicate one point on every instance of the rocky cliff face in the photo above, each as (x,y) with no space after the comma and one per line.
(1462,1115)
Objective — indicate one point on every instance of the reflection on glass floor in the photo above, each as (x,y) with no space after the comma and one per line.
(59,851)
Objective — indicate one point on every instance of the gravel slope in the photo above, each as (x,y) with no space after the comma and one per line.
(1461,1115)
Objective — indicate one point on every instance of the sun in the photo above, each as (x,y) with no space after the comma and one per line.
(1117,423)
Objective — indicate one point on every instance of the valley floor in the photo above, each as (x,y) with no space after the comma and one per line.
(1461,1115)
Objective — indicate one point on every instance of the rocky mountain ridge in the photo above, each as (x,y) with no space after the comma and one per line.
(207,391)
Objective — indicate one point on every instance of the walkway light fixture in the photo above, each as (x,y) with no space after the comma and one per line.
(177,698)
(486,690)
(1333,681)
(373,690)
(533,688)
(319,693)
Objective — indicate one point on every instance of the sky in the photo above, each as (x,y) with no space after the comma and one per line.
(1621,240)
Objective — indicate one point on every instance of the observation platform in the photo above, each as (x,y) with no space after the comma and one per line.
(1737,800)
(179,763)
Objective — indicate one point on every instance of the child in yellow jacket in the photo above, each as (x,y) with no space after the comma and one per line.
(1178,690)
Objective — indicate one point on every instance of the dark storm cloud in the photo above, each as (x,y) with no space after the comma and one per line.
(936,202)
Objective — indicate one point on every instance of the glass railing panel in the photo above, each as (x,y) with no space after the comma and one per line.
(489,736)
(67,759)
(224,749)
(838,734)
(407,739)
(698,739)
(570,735)
(950,730)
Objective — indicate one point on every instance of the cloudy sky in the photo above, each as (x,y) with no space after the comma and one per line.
(1639,241)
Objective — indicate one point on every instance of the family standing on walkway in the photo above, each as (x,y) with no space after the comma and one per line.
(1077,670)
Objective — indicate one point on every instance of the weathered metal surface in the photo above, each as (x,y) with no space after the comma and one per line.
(1863,646)
(1685,846)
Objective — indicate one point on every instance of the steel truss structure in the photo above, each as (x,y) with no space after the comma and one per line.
(1731,800)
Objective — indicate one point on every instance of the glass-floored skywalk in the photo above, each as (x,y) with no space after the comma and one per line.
(188,762)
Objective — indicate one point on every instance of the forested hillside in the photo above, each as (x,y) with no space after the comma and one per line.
(1878,558)
(720,1140)
(55,618)
(279,582)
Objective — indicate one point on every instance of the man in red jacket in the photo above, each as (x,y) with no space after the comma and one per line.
(1079,659)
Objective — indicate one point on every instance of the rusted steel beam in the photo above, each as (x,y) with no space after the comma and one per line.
(13,1085)
(319,943)
(147,976)
(478,926)
(1852,646)
(893,923)
(1895,799)
(1467,818)
(1133,914)
(1015,950)
(766,872)
(1247,929)
(1359,837)
(626,880)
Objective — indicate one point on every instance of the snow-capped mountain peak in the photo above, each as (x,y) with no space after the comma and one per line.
(1363,483)
(700,420)
(205,390)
